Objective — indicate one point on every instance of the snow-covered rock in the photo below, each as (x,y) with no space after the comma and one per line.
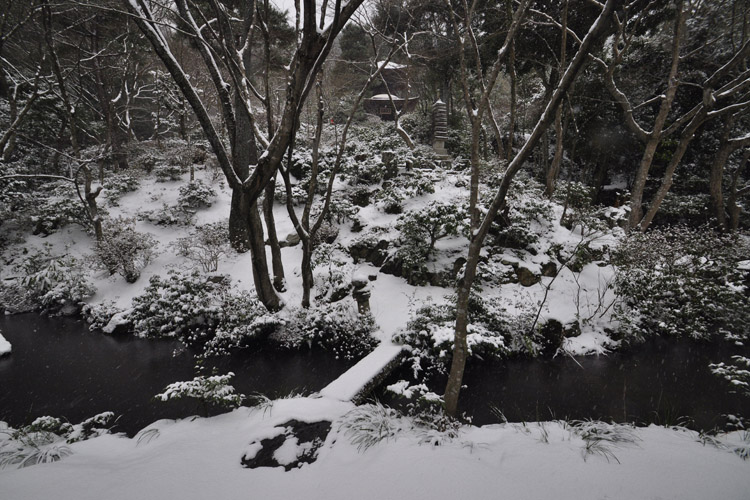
(5,347)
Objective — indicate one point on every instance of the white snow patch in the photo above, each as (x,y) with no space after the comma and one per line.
(5,346)
(288,452)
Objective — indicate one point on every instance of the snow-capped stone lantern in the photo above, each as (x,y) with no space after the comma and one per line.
(440,128)
(361,292)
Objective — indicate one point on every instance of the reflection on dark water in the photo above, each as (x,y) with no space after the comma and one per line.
(59,368)
(664,381)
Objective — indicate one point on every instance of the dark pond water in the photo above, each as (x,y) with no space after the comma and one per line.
(664,381)
(59,368)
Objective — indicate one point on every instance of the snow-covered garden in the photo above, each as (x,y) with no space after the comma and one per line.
(531,190)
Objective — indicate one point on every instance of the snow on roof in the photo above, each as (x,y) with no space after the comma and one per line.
(384,97)
(391,65)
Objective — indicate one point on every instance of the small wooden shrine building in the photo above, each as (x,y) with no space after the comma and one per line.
(396,85)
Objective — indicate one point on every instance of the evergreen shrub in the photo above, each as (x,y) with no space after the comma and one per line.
(123,250)
(683,282)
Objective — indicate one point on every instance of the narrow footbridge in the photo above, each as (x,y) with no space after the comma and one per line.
(356,383)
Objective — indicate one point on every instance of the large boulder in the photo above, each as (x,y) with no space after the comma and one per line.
(301,441)
(526,277)
(369,250)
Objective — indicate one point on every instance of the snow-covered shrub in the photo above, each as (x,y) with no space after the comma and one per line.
(684,209)
(116,185)
(211,391)
(332,273)
(681,281)
(56,206)
(242,318)
(99,315)
(45,439)
(492,332)
(123,250)
(205,245)
(419,126)
(178,304)
(579,209)
(199,311)
(342,208)
(419,231)
(418,183)
(195,194)
(391,201)
(299,194)
(735,374)
(326,234)
(56,283)
(166,173)
(15,199)
(167,216)
(418,399)
(335,327)
(527,215)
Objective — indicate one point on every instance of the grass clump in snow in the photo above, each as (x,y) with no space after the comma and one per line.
(368,425)
(600,437)
(45,440)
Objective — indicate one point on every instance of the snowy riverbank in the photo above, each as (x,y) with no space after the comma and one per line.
(200,458)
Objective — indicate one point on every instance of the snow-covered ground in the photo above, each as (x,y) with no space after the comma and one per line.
(571,295)
(200,458)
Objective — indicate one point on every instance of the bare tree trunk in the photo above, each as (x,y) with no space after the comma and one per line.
(716,176)
(460,350)
(245,226)
(513,84)
(115,136)
(263,286)
(93,208)
(554,169)
(279,281)
(735,193)
(307,272)
(650,139)
(8,139)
